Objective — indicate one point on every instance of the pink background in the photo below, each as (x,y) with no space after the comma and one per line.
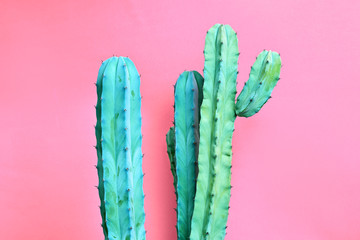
(296,164)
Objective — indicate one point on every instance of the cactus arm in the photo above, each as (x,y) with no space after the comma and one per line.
(170,142)
(186,120)
(136,153)
(257,90)
(98,147)
(216,128)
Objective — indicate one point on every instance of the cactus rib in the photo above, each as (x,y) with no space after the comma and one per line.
(99,165)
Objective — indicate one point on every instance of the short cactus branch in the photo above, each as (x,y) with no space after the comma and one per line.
(263,77)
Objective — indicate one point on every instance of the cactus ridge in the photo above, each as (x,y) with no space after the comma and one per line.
(263,77)
(121,155)
(216,128)
(186,118)
(136,152)
(99,166)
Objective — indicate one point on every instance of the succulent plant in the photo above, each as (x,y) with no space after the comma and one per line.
(119,140)
(218,112)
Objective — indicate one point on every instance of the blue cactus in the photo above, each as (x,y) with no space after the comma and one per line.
(119,139)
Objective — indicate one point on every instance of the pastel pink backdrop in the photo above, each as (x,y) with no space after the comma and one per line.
(296,164)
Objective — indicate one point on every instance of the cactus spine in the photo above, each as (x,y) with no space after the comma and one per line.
(119,139)
(188,98)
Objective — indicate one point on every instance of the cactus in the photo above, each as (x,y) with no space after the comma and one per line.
(182,141)
(216,129)
(218,112)
(119,139)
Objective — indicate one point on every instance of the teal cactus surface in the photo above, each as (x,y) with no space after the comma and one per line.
(216,129)
(119,140)
(186,118)
(263,77)
(183,144)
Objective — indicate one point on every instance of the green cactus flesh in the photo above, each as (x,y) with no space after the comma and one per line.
(216,129)
(170,142)
(188,97)
(119,139)
(263,77)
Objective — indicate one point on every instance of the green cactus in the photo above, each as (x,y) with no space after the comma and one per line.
(218,113)
(216,129)
(119,139)
(263,77)
(183,141)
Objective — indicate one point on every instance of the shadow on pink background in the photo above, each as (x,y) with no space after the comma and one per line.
(296,164)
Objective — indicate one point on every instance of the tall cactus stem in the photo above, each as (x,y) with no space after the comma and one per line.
(216,128)
(119,144)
